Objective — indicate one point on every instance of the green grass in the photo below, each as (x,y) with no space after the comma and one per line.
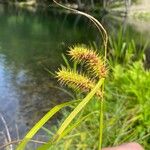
(130,88)
(123,49)
(145,16)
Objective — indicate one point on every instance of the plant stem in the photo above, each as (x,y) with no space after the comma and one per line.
(101,121)
(101,125)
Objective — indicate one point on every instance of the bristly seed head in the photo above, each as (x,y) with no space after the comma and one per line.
(95,63)
(76,81)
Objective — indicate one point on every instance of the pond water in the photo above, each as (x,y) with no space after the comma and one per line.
(30,43)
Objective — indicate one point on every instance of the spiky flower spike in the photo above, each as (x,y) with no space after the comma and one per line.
(76,81)
(95,63)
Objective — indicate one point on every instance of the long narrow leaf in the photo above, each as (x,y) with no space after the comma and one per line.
(66,61)
(76,124)
(38,125)
(81,105)
(72,115)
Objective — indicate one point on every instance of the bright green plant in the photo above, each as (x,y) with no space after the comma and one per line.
(129,88)
(135,82)
(123,50)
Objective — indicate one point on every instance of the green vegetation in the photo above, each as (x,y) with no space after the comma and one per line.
(125,102)
(130,90)
(123,49)
(126,116)
(142,15)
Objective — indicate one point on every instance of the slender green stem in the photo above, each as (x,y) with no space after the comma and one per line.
(101,121)
(101,125)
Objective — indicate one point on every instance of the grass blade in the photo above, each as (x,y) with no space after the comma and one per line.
(66,61)
(76,124)
(72,115)
(38,125)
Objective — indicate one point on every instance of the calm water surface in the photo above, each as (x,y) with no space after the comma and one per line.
(31,42)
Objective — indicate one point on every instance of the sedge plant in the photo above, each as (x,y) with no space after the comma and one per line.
(91,83)
(79,81)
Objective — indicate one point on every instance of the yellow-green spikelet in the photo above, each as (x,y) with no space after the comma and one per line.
(76,81)
(94,62)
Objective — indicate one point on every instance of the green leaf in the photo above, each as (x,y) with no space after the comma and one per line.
(76,124)
(69,129)
(66,61)
(72,115)
(38,125)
